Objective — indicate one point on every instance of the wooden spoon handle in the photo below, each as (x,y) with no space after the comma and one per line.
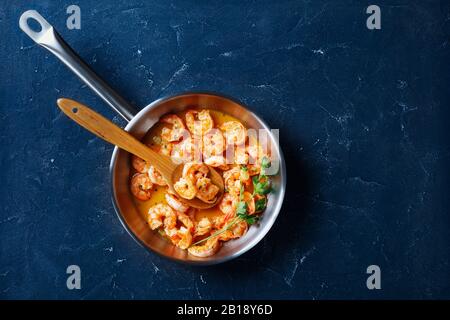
(108,131)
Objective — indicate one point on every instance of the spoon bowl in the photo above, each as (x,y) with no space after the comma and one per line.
(197,203)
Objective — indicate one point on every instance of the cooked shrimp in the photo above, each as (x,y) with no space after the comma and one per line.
(215,161)
(218,221)
(244,175)
(141,186)
(182,236)
(252,147)
(194,171)
(263,203)
(165,148)
(205,119)
(253,169)
(184,150)
(239,229)
(233,174)
(234,132)
(202,227)
(247,197)
(224,167)
(161,214)
(177,130)
(232,180)
(254,150)
(185,188)
(206,190)
(240,155)
(235,231)
(213,143)
(156,177)
(139,164)
(185,238)
(226,235)
(175,203)
(208,249)
(228,205)
(186,221)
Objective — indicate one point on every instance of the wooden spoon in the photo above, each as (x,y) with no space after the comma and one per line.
(108,131)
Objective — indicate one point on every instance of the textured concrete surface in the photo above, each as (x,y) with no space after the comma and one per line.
(364,126)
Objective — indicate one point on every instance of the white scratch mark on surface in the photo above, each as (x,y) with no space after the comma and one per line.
(290,276)
(401,84)
(307,254)
(4,274)
(202,279)
(110,249)
(178,33)
(176,74)
(226,54)
(270,88)
(297,262)
(366,182)
(179,289)
(198,291)
(405,107)
(319,51)
(292,46)
(8,219)
(339,119)
(26,47)
(155,268)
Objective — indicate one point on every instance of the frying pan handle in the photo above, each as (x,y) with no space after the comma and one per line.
(48,38)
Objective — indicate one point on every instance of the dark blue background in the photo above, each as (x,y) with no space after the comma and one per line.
(364,127)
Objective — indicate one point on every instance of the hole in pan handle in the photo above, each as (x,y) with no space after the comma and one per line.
(34,15)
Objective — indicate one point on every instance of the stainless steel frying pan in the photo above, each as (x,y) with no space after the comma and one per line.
(138,125)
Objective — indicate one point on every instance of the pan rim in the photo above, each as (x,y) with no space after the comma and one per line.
(261,234)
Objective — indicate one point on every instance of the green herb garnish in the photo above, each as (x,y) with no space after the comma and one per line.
(260,204)
(261,185)
(243,174)
(265,163)
(219,232)
(250,219)
(241,208)
(241,192)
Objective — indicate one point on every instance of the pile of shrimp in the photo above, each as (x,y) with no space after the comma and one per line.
(196,141)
